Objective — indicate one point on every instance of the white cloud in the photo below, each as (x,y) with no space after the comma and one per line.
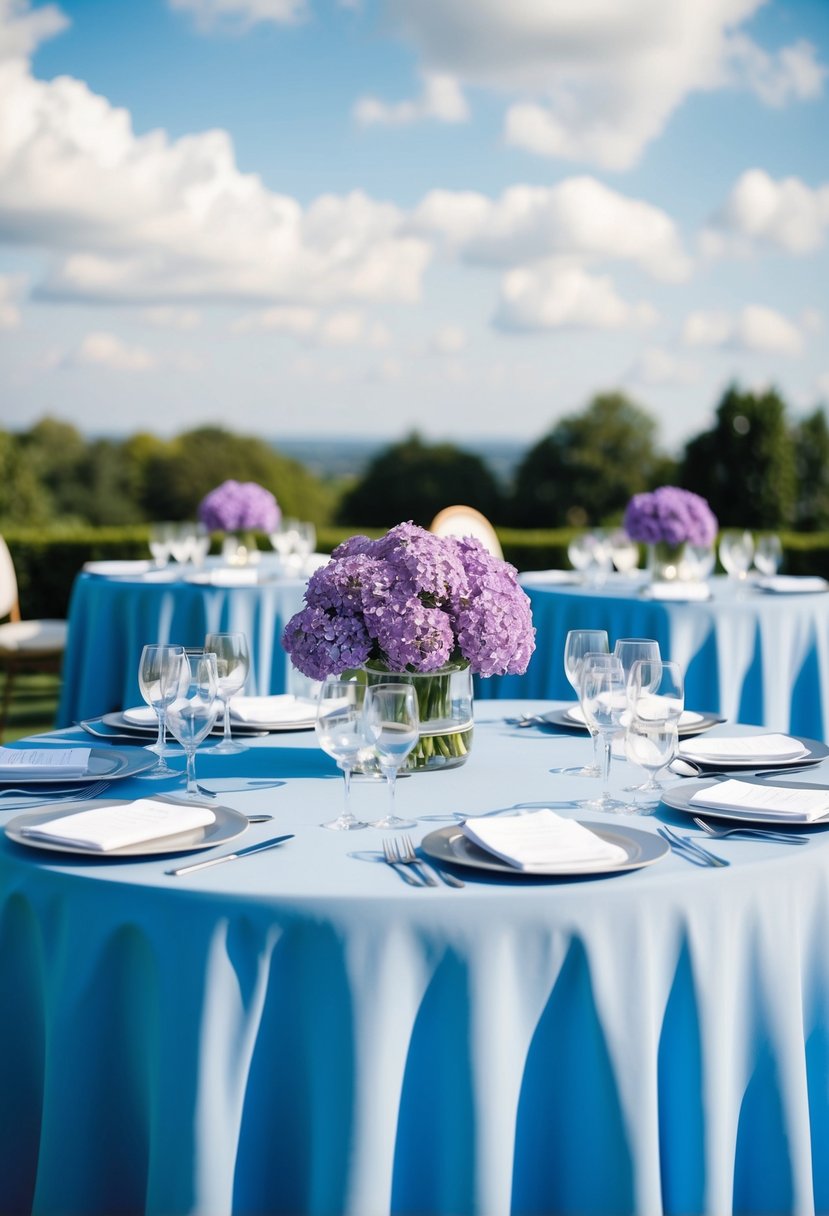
(754,328)
(597,82)
(579,217)
(657,366)
(164,317)
(822,386)
(449,340)
(811,321)
(101,349)
(556,296)
(347,327)
(440,99)
(241,14)
(11,286)
(23,29)
(285,318)
(763,213)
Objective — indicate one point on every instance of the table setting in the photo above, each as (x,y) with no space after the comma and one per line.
(265,1014)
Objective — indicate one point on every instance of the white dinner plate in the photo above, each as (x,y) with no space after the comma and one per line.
(695,724)
(110,762)
(227,825)
(815,752)
(119,569)
(678,797)
(641,849)
(117,722)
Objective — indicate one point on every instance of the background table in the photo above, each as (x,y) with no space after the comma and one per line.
(299,1031)
(112,619)
(751,656)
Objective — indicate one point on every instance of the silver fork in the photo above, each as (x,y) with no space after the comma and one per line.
(391,858)
(79,794)
(750,833)
(691,849)
(407,854)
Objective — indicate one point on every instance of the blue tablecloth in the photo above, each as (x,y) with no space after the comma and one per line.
(112,619)
(301,1032)
(751,656)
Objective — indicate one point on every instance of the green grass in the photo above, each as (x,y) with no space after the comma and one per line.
(33,707)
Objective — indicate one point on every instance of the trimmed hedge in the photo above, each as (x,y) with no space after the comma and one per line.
(47,562)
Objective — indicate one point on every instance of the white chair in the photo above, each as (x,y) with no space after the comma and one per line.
(25,646)
(467,521)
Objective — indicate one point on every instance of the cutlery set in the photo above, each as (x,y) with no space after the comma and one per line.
(399,853)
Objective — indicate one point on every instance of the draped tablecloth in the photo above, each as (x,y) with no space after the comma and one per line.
(751,656)
(112,619)
(301,1032)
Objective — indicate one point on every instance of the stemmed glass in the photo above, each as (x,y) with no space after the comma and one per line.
(159,543)
(232,667)
(158,672)
(768,553)
(391,722)
(340,733)
(578,643)
(624,552)
(603,700)
(629,650)
(193,712)
(736,551)
(656,695)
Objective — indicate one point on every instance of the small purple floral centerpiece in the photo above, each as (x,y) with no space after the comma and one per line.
(239,506)
(670,516)
(421,606)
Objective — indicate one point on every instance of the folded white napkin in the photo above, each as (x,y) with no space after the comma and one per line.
(765,801)
(141,715)
(104,828)
(115,569)
(677,591)
(550,577)
(54,762)
(687,718)
(226,576)
(792,584)
(542,840)
(762,748)
(282,708)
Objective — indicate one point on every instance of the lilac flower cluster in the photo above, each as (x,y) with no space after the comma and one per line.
(671,515)
(412,601)
(236,505)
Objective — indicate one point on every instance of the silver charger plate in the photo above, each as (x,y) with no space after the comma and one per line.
(678,798)
(110,762)
(227,825)
(560,718)
(123,725)
(817,751)
(641,849)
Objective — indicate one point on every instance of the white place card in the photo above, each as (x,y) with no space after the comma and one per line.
(541,840)
(103,828)
(793,584)
(678,590)
(765,801)
(765,749)
(17,762)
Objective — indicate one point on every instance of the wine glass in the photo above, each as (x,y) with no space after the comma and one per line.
(652,744)
(604,701)
(629,650)
(306,539)
(736,551)
(578,643)
(159,543)
(656,690)
(340,733)
(768,553)
(232,667)
(624,552)
(580,553)
(699,561)
(391,723)
(193,712)
(158,671)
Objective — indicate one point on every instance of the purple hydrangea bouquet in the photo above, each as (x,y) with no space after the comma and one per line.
(239,506)
(418,605)
(667,519)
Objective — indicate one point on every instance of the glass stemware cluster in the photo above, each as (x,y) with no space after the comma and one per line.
(293,541)
(633,691)
(355,725)
(181,542)
(595,554)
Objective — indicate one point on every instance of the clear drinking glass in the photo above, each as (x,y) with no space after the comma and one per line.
(699,561)
(340,733)
(193,712)
(232,667)
(624,552)
(391,722)
(736,551)
(158,672)
(652,745)
(768,553)
(159,543)
(604,701)
(578,643)
(630,650)
(656,690)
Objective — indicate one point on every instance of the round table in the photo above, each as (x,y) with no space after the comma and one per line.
(300,1031)
(751,656)
(111,619)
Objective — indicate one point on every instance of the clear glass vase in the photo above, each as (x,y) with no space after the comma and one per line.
(666,562)
(444,699)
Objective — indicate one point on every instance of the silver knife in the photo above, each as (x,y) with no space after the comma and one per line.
(217,861)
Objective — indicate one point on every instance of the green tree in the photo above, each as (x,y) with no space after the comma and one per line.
(745,465)
(811,453)
(588,466)
(414,480)
(22,498)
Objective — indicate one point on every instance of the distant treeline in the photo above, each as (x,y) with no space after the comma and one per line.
(756,466)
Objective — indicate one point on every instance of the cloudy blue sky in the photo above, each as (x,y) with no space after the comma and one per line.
(305,217)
